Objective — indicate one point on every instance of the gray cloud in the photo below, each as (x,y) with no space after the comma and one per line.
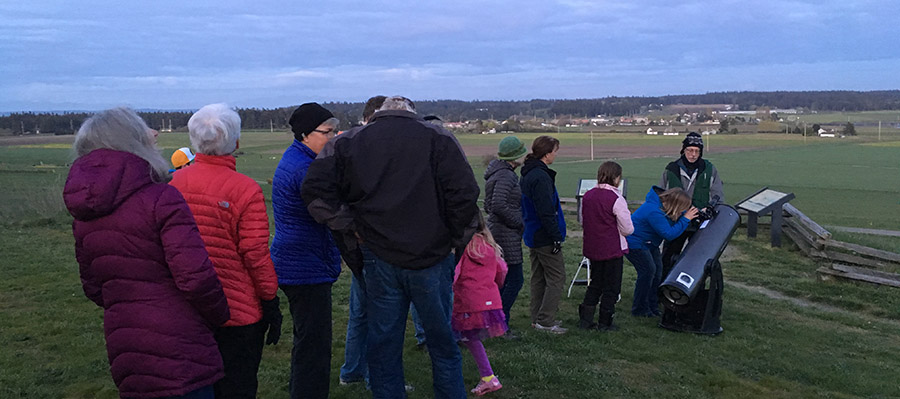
(178,54)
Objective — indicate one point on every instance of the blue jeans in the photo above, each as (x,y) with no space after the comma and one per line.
(355,367)
(390,290)
(417,325)
(648,264)
(511,286)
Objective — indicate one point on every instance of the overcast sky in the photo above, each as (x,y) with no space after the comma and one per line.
(88,54)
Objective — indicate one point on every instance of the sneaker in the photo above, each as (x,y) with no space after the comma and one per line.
(555,323)
(556,329)
(510,335)
(486,387)
(348,382)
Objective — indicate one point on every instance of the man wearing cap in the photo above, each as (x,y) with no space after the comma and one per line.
(306,258)
(405,189)
(181,157)
(699,179)
(503,205)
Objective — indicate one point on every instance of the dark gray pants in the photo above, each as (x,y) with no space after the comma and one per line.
(548,277)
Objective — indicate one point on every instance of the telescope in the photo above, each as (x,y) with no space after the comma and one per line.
(691,293)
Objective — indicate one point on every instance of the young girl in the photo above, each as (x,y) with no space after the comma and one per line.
(606,222)
(477,309)
(662,216)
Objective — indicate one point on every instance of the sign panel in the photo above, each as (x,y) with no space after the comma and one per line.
(762,200)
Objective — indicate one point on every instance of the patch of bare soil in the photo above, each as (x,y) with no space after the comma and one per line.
(617,152)
(34,139)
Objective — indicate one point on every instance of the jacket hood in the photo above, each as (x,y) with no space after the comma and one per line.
(653,196)
(496,166)
(532,164)
(102,180)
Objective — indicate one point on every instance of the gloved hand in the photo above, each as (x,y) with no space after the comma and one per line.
(272,318)
(557,246)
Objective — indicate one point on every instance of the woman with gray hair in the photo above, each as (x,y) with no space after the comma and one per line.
(306,257)
(231,213)
(142,260)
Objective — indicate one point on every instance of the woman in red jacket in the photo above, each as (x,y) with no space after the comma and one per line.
(231,213)
(477,307)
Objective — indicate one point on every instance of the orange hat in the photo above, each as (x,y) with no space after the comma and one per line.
(181,157)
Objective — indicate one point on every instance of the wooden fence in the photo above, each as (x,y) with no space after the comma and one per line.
(842,260)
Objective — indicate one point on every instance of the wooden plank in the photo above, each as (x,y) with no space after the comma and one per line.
(847,258)
(811,238)
(806,221)
(859,277)
(864,250)
(859,230)
(797,239)
(861,270)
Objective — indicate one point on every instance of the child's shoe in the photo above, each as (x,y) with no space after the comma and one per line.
(488,386)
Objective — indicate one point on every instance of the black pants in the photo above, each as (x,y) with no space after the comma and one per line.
(606,284)
(241,348)
(311,355)
(671,250)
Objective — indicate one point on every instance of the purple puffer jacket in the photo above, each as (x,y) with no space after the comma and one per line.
(142,259)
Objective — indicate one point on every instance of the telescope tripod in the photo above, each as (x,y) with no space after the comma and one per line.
(702,314)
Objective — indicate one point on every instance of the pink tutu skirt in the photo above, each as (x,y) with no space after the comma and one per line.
(479,325)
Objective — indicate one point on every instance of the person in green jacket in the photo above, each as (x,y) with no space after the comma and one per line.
(700,180)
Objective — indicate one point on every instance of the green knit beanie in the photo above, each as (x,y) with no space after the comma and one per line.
(511,148)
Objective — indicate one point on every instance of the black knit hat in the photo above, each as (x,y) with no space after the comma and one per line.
(307,118)
(693,139)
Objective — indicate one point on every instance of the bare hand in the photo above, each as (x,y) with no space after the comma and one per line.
(691,213)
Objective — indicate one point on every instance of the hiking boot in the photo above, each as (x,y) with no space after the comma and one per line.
(486,387)
(606,322)
(555,329)
(586,317)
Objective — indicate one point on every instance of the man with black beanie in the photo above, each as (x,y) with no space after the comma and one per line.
(699,179)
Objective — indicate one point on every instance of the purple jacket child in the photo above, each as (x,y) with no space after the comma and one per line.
(141,258)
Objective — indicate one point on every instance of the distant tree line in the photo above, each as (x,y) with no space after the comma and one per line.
(455,110)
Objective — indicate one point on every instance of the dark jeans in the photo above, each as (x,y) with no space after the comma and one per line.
(241,348)
(548,277)
(311,355)
(511,286)
(606,284)
(648,264)
(355,367)
(671,250)
(390,289)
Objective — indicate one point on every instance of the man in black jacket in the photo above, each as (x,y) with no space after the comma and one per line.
(404,188)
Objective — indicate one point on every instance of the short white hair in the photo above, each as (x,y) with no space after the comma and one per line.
(215,130)
(398,103)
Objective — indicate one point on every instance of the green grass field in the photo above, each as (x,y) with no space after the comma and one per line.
(832,339)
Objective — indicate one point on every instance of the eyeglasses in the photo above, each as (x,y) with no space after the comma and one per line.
(325,132)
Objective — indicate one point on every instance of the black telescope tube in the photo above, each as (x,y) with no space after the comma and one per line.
(689,272)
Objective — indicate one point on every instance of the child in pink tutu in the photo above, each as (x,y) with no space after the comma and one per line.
(477,309)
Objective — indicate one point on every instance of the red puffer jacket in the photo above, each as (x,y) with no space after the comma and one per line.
(231,213)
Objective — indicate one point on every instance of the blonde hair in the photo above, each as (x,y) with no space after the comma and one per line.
(473,250)
(674,202)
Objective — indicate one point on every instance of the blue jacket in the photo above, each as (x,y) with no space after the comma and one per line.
(542,213)
(303,251)
(651,225)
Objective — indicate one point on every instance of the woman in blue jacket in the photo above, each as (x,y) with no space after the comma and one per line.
(663,216)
